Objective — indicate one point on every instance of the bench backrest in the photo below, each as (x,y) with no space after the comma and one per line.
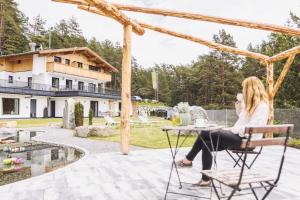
(281,128)
(263,142)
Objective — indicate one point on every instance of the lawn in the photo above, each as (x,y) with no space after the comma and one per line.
(149,136)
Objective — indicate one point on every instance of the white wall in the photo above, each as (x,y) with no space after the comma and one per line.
(103,105)
(38,65)
(41,103)
(17,76)
(24,105)
(59,106)
(39,68)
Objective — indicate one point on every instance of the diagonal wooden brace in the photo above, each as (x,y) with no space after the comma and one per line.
(283,74)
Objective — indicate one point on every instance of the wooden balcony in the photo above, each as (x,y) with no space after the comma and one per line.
(69,70)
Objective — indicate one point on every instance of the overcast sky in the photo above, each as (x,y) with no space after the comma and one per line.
(157,48)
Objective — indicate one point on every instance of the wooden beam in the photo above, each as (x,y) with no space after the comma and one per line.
(126,90)
(195,16)
(92,10)
(213,45)
(283,74)
(285,54)
(112,11)
(75,2)
(270,84)
(208,18)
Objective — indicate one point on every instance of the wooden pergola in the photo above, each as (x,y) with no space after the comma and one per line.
(114,11)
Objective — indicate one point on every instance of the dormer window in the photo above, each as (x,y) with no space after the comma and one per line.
(94,68)
(79,64)
(67,61)
(57,59)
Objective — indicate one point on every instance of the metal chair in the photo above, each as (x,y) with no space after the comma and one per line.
(243,178)
(237,156)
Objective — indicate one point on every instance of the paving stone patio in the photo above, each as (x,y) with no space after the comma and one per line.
(141,175)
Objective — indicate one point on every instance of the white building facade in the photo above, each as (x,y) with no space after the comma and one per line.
(36,84)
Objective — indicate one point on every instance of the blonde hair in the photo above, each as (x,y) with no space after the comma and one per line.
(254,92)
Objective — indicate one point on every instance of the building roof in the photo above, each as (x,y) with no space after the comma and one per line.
(84,50)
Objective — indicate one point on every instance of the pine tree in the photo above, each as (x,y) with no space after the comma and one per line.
(37,31)
(12,25)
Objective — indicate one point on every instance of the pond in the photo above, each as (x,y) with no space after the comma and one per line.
(22,158)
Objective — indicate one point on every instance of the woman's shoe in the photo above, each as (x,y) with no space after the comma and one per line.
(181,163)
(202,183)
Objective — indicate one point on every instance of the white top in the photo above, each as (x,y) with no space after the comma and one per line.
(258,118)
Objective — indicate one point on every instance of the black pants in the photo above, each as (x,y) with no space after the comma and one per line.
(227,140)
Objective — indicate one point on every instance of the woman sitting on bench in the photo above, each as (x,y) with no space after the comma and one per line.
(255,112)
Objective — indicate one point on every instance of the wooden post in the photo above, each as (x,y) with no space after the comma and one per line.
(126,90)
(270,84)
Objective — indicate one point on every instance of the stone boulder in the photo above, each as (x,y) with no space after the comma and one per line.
(82,131)
(86,131)
(101,131)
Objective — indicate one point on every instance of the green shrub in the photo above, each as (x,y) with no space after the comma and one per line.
(78,114)
(91,116)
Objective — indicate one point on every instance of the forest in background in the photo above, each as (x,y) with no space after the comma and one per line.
(211,80)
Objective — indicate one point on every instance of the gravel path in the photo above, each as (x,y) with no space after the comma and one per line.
(65,136)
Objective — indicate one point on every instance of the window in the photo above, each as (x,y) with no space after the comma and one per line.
(69,84)
(94,68)
(67,61)
(92,87)
(79,64)
(10,106)
(19,61)
(80,85)
(10,79)
(29,82)
(55,82)
(57,59)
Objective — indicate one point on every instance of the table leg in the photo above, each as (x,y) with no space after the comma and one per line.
(173,162)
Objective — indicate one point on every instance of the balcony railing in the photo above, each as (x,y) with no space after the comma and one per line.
(17,87)
(66,69)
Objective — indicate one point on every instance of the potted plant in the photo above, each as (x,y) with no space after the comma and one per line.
(184,113)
